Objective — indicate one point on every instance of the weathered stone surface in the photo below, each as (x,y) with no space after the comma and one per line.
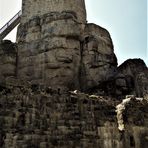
(35,117)
(129,78)
(8,60)
(98,59)
(136,76)
(58,48)
(55,49)
(58,51)
(37,8)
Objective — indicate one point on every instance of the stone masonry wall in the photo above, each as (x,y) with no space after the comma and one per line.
(37,117)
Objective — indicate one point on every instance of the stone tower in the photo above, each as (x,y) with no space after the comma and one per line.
(58,48)
(33,8)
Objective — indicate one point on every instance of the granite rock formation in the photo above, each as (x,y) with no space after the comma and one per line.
(58,52)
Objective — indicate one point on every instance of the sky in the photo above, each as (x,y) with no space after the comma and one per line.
(126,20)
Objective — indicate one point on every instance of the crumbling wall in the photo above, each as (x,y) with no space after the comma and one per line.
(41,117)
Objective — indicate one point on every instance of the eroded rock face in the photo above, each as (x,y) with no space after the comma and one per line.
(58,48)
(129,78)
(54,58)
(49,42)
(99,62)
(135,76)
(8,60)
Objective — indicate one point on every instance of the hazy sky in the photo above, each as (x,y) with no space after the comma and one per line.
(126,20)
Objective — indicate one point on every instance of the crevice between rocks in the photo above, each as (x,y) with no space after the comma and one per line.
(81,71)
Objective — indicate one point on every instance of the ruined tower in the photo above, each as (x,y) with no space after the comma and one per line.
(33,8)
(58,48)
(58,51)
